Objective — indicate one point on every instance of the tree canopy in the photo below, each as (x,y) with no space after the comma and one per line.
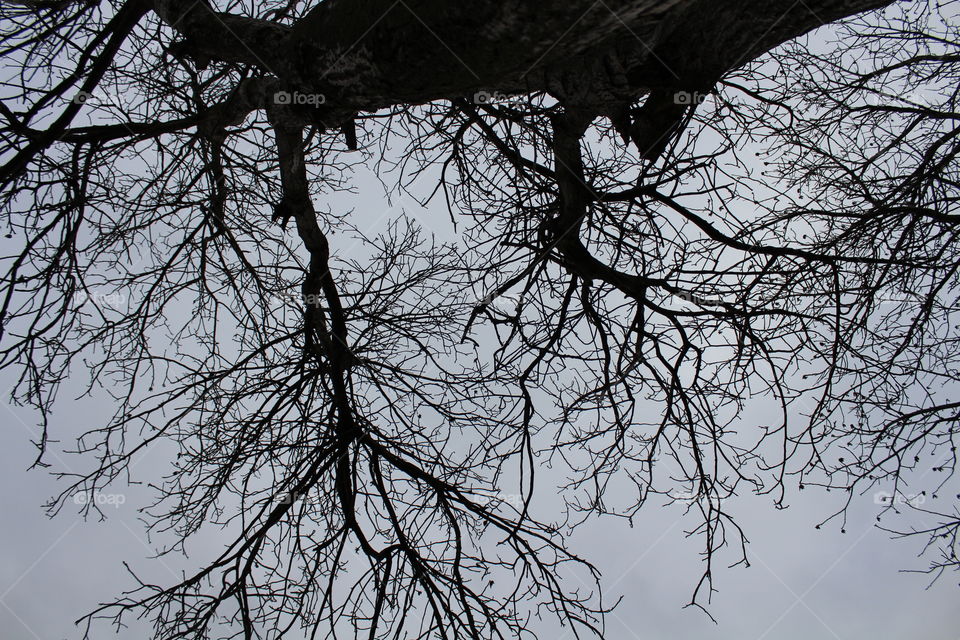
(703,248)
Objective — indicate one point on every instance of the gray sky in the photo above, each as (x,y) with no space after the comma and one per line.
(803,583)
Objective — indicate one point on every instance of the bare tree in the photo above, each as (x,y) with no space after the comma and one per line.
(369,431)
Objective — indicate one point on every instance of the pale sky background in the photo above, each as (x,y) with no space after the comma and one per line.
(802,584)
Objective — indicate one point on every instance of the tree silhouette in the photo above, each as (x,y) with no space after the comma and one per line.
(626,285)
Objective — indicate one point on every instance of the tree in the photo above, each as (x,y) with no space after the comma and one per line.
(345,420)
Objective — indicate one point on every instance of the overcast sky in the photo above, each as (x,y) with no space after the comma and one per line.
(802,584)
